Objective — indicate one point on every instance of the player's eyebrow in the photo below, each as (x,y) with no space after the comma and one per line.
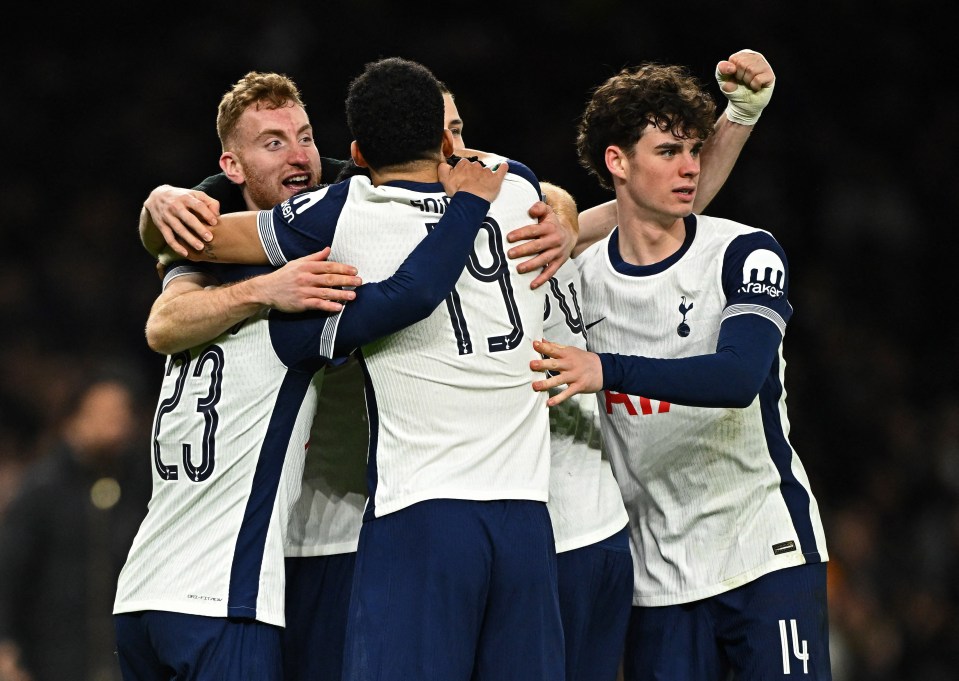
(275,132)
(456,121)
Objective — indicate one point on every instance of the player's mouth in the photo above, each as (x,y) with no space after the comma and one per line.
(686,193)
(297,182)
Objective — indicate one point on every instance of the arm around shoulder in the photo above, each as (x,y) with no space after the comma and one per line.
(192,310)
(595,224)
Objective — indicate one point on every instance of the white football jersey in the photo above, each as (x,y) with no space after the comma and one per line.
(227,453)
(585,503)
(452,413)
(716,497)
(327,517)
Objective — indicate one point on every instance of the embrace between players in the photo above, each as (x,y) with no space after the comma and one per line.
(355,472)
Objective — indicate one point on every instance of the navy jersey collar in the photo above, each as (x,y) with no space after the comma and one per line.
(425,187)
(624,267)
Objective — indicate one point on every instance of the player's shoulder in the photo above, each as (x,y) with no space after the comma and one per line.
(738,245)
(725,231)
(720,226)
(325,200)
(595,251)
(519,174)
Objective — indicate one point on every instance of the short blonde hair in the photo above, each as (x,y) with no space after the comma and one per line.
(274,90)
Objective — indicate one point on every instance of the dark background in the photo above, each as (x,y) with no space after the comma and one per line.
(852,167)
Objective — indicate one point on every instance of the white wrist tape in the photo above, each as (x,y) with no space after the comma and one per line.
(745,106)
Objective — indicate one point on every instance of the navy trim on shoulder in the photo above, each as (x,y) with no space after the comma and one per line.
(521,170)
(304,224)
(755,275)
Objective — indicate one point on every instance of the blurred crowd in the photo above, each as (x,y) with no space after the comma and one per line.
(873,385)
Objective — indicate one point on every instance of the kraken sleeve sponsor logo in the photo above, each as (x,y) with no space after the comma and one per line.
(763,272)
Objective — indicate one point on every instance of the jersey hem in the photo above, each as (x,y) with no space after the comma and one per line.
(484,495)
(325,550)
(277,619)
(723,587)
(593,537)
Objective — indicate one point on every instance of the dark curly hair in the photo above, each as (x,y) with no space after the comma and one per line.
(395,112)
(620,110)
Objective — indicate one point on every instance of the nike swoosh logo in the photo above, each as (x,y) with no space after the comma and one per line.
(592,324)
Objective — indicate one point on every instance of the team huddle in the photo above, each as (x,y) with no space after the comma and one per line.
(421,419)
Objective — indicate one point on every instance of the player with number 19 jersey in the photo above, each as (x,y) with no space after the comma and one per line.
(451,413)
(231,431)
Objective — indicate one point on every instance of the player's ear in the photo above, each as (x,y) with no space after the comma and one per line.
(616,161)
(358,155)
(448,148)
(232,168)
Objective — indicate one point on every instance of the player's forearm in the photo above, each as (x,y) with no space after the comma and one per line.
(150,236)
(731,377)
(703,381)
(720,154)
(236,239)
(594,225)
(193,318)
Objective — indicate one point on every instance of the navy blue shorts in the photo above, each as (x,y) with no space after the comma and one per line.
(595,599)
(317,603)
(775,627)
(455,590)
(160,646)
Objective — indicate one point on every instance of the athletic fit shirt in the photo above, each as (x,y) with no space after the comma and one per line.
(326,518)
(231,430)
(716,496)
(228,448)
(585,504)
(452,413)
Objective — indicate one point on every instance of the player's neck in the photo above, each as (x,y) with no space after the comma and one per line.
(415,171)
(649,241)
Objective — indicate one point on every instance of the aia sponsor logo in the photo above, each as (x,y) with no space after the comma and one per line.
(634,405)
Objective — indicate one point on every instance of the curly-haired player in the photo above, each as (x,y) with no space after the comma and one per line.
(687,314)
